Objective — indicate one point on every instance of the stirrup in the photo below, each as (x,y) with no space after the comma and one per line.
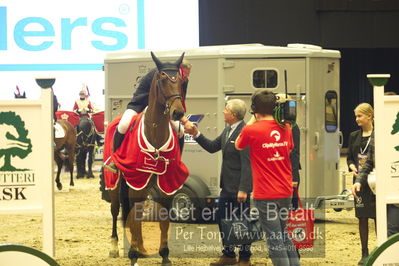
(110,166)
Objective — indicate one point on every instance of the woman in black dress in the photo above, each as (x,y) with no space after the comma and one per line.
(359,143)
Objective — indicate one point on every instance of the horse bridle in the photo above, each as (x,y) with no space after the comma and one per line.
(167,98)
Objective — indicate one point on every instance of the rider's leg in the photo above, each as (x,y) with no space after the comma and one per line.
(119,135)
(122,127)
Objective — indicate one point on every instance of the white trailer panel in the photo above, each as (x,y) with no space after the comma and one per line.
(236,71)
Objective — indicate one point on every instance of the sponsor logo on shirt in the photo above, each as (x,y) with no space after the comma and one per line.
(274,145)
(276,155)
(275,134)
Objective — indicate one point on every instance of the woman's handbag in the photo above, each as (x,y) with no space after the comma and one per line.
(300,226)
(240,232)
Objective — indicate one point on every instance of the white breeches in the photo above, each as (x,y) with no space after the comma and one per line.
(125,120)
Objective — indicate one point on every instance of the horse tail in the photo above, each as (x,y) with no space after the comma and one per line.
(104,193)
(124,200)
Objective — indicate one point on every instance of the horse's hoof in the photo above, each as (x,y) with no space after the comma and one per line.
(133,262)
(134,254)
(72,184)
(114,254)
(90,176)
(166,262)
(59,186)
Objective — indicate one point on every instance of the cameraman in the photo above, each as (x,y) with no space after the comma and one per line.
(270,146)
(294,155)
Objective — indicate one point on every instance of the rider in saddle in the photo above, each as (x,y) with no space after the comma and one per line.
(83,106)
(139,102)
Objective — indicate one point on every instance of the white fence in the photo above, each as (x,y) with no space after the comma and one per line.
(26,161)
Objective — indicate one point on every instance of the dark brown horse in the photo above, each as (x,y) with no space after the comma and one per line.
(67,143)
(164,105)
(86,139)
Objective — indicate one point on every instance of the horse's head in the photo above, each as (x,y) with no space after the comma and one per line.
(85,126)
(168,83)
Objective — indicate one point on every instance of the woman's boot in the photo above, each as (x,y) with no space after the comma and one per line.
(365,254)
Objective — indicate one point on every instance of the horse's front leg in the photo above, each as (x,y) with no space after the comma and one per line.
(79,161)
(165,203)
(90,162)
(83,161)
(115,206)
(163,248)
(134,222)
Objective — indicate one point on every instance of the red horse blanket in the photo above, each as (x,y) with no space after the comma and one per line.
(137,159)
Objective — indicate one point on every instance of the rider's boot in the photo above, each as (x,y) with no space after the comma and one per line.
(118,139)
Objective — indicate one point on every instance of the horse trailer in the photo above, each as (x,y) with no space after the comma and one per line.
(308,73)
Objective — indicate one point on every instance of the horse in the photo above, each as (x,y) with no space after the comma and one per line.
(85,143)
(67,142)
(164,105)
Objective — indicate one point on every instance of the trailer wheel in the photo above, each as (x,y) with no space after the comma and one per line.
(347,193)
(184,205)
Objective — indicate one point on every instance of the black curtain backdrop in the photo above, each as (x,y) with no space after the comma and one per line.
(355,88)
(363,30)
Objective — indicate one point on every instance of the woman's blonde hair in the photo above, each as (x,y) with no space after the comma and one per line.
(366,109)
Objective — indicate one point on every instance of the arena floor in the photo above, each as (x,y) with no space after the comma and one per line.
(83,229)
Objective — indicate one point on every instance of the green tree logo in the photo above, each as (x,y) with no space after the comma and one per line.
(395,128)
(13,140)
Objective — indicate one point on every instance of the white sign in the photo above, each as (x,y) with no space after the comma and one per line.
(386,159)
(26,161)
(386,156)
(69,39)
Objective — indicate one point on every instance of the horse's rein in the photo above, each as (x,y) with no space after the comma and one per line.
(173,79)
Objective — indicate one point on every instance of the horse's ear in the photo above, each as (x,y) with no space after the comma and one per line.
(178,62)
(157,61)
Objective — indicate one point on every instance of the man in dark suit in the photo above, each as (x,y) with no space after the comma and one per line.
(235,177)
